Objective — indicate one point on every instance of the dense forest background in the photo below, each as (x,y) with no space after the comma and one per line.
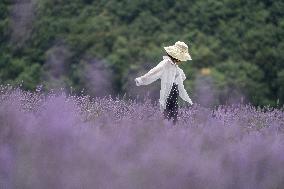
(101,46)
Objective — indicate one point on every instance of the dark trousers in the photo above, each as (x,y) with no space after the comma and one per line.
(171,110)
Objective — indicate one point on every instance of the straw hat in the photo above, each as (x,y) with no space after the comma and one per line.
(179,51)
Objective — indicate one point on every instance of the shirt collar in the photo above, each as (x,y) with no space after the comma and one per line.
(167,57)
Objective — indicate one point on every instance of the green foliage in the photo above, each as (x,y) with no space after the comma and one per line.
(243,78)
(280,81)
(4,22)
(241,41)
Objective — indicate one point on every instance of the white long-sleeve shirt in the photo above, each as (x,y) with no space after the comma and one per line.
(169,73)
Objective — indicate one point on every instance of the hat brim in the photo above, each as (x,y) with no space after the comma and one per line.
(171,50)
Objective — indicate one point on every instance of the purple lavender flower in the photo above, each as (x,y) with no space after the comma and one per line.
(58,140)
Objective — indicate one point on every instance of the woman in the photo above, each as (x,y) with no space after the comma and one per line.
(172,78)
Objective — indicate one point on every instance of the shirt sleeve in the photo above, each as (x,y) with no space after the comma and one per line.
(151,76)
(182,75)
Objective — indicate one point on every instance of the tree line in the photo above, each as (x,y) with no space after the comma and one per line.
(236,46)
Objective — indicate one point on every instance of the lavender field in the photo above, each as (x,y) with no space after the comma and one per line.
(59,140)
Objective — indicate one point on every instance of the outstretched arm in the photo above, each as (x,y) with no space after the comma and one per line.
(154,74)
